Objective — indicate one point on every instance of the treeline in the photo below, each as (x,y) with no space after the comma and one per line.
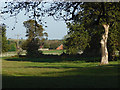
(51,44)
(12,44)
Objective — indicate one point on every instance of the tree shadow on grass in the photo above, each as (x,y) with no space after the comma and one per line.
(55,58)
(60,82)
(83,77)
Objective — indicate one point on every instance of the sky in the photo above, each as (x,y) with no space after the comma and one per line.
(55,29)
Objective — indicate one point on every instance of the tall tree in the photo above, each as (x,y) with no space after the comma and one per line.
(0,40)
(4,45)
(34,30)
(98,17)
(77,38)
(106,15)
(101,17)
(103,14)
(36,36)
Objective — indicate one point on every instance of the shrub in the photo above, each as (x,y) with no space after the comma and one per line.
(32,48)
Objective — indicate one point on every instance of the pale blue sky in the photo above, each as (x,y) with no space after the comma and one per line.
(55,29)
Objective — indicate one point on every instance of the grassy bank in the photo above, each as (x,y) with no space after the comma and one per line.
(62,74)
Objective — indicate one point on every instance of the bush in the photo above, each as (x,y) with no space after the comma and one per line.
(32,48)
(12,47)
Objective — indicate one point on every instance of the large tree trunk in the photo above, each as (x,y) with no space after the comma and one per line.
(104,51)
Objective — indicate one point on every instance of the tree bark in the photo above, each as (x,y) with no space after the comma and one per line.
(104,51)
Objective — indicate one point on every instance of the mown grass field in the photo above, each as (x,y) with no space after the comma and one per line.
(53,52)
(21,73)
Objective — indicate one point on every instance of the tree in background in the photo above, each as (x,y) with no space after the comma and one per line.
(32,48)
(52,44)
(35,36)
(12,47)
(5,46)
(34,30)
(0,40)
(12,44)
(97,16)
(77,38)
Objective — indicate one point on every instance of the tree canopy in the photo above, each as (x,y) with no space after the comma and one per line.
(77,38)
(3,37)
(36,36)
(34,30)
(91,16)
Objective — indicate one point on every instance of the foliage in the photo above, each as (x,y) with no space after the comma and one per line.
(12,44)
(32,48)
(12,47)
(35,36)
(92,15)
(114,43)
(107,14)
(5,46)
(34,30)
(38,10)
(52,44)
(77,38)
(24,44)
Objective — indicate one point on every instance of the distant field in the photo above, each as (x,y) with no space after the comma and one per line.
(53,52)
(18,73)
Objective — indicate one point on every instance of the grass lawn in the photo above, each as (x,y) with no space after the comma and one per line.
(53,52)
(20,73)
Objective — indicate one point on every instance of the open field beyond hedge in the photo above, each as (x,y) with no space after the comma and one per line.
(55,52)
(17,73)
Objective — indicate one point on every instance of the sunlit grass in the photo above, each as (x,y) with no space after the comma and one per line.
(79,70)
(53,52)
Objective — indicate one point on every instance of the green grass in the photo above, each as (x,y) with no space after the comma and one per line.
(64,74)
(53,52)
